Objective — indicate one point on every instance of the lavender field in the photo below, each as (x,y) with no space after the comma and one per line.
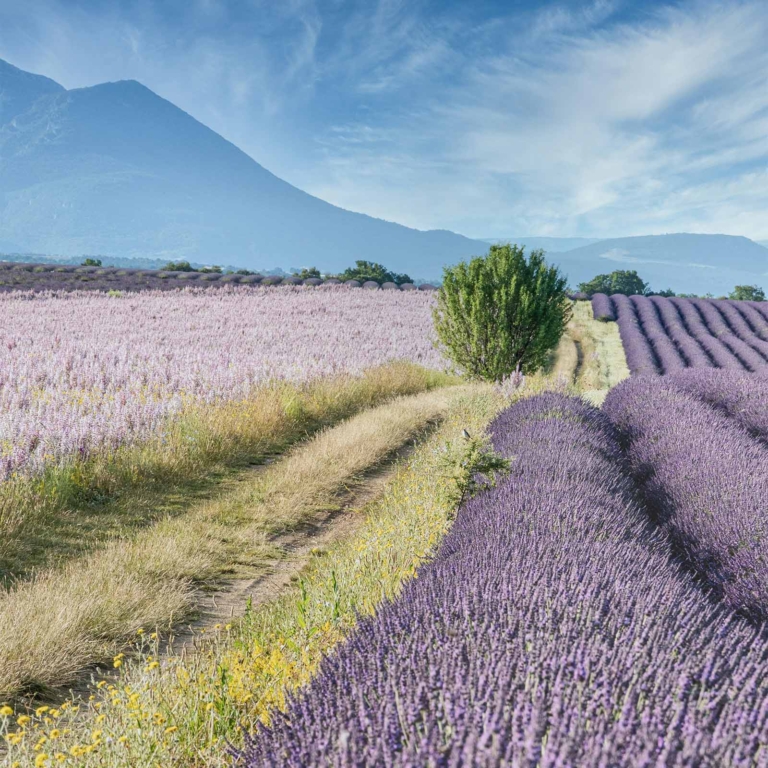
(553,628)
(82,371)
(663,335)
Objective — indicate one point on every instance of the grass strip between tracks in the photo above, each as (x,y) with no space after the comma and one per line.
(184,710)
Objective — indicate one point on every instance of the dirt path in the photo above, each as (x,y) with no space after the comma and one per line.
(231,597)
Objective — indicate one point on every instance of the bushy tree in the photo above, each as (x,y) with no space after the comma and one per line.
(308,272)
(501,312)
(747,293)
(623,281)
(89,262)
(370,270)
(178,266)
(215,269)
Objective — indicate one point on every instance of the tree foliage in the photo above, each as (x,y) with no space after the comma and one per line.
(623,281)
(308,272)
(501,312)
(90,262)
(178,266)
(747,293)
(370,270)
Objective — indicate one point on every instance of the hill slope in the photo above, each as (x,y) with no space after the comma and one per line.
(117,170)
(549,244)
(686,263)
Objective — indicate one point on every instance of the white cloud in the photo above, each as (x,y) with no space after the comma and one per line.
(556,122)
(605,132)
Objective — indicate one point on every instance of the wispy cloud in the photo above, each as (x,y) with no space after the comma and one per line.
(599,118)
(598,128)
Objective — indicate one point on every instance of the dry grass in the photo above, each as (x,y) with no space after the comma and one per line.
(185,710)
(590,357)
(54,625)
(75,508)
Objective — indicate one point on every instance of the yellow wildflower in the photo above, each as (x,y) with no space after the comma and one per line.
(171,729)
(55,733)
(41,760)
(22,720)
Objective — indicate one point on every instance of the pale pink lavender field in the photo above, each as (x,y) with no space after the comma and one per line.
(82,371)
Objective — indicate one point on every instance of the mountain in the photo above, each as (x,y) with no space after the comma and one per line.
(687,263)
(549,244)
(116,170)
(764,243)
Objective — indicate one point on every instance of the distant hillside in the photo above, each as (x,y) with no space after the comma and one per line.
(764,243)
(117,170)
(549,244)
(684,262)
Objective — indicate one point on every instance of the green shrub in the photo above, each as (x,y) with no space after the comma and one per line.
(501,313)
(89,262)
(747,293)
(370,270)
(623,281)
(178,266)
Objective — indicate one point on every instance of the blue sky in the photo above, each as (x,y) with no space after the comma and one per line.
(601,119)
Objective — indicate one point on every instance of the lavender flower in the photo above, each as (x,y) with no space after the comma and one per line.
(551,629)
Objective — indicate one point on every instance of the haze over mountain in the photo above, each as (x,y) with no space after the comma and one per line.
(114,169)
(549,244)
(687,263)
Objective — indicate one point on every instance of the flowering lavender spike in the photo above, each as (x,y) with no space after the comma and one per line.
(551,629)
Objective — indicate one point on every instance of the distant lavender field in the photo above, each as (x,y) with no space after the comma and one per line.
(663,335)
(81,371)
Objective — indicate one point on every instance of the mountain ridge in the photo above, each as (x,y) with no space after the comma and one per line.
(116,169)
(686,262)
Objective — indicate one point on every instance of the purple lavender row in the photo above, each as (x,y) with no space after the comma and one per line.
(740,395)
(761,307)
(750,359)
(704,479)
(637,350)
(692,350)
(758,321)
(602,308)
(720,354)
(666,352)
(551,629)
(744,326)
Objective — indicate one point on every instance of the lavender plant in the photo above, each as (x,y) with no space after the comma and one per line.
(664,335)
(703,477)
(740,395)
(602,308)
(81,372)
(551,629)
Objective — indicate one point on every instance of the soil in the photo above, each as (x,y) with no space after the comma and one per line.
(230,599)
